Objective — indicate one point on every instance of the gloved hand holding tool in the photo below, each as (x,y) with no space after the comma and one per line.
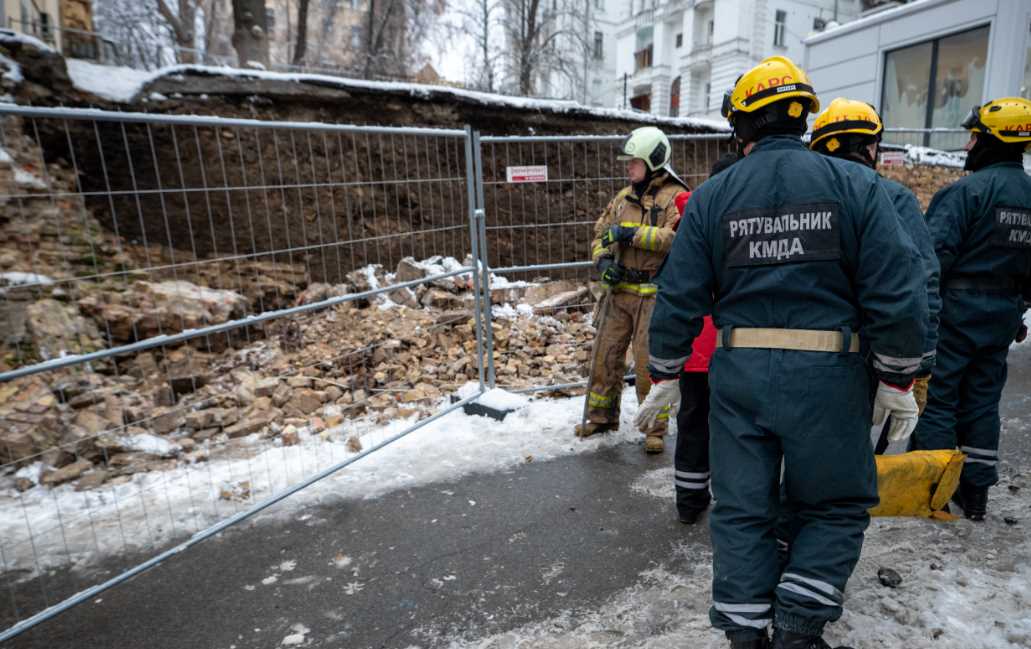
(611,271)
(900,403)
(663,395)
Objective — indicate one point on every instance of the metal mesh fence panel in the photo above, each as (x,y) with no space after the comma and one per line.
(199,320)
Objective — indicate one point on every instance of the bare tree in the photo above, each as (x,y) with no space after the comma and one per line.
(302,32)
(182,24)
(391,27)
(545,42)
(481,20)
(250,32)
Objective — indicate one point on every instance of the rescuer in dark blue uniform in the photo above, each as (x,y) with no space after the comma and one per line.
(791,252)
(851,130)
(981,227)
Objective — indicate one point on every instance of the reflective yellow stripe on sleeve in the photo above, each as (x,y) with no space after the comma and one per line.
(595,400)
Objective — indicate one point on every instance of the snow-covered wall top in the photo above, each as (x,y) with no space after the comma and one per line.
(124,85)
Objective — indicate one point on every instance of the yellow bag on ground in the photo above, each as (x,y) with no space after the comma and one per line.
(918,483)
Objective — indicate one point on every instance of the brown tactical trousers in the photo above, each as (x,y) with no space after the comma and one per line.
(622,320)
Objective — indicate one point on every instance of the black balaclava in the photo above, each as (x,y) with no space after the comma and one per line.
(989,150)
(852,146)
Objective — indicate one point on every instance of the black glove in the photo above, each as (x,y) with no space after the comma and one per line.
(618,234)
(1021,334)
(611,271)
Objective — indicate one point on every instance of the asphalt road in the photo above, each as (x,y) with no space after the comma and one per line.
(480,555)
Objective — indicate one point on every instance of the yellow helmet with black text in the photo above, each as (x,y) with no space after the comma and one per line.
(774,80)
(1007,119)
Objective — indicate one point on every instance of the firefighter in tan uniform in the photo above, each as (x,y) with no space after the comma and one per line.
(631,240)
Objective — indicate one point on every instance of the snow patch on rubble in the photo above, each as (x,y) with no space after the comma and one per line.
(926,156)
(157,507)
(104,85)
(148,443)
(114,83)
(495,398)
(10,36)
(14,278)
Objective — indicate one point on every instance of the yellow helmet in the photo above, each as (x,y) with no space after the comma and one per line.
(776,78)
(845,116)
(1008,119)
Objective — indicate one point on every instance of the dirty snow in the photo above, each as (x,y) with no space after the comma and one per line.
(947,569)
(160,506)
(14,278)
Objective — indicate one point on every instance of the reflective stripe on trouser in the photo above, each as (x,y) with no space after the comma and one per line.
(691,458)
(809,409)
(626,324)
(967,381)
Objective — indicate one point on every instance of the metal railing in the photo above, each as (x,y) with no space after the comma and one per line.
(942,139)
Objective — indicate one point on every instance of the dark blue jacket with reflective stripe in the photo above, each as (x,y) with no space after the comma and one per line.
(981,226)
(791,239)
(916,227)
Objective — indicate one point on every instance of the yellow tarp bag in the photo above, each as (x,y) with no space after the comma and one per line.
(918,483)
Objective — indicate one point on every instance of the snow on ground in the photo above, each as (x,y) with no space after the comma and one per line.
(60,525)
(965,586)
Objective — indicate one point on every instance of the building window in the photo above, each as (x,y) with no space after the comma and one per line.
(934,83)
(354,4)
(643,50)
(708,91)
(674,98)
(779,27)
(680,40)
(599,46)
(356,37)
(711,28)
(270,20)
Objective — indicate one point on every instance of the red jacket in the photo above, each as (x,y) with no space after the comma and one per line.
(705,343)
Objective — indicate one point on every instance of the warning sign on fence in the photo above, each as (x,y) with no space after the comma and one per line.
(536,174)
(893,158)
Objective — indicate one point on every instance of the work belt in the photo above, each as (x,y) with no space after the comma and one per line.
(983,283)
(634,276)
(804,340)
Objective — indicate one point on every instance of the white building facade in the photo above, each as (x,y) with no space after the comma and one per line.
(678,57)
(927,63)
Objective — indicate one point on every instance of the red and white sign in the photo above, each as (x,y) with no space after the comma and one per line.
(536,174)
(893,158)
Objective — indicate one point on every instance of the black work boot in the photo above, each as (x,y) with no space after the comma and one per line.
(691,509)
(973,501)
(748,641)
(790,640)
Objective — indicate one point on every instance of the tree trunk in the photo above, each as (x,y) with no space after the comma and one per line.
(302,32)
(250,32)
(182,28)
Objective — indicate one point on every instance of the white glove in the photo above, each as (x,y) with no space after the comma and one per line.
(901,405)
(663,395)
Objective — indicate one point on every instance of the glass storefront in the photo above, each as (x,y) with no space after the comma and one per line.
(934,84)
